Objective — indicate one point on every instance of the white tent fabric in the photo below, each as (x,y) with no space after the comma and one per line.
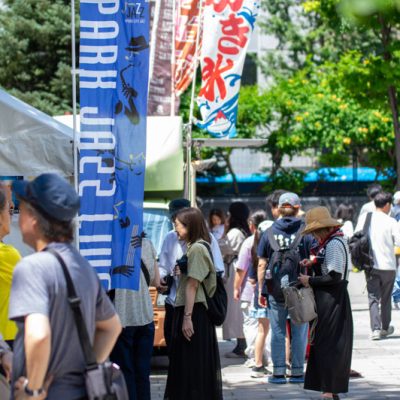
(32,142)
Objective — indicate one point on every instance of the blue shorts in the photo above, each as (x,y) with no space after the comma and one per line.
(258,312)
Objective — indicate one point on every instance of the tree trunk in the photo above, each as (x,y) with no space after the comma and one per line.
(386,38)
(395,115)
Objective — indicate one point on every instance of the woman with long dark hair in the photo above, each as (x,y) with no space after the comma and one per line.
(328,367)
(237,231)
(194,368)
(246,290)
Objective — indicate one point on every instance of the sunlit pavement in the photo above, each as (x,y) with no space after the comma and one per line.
(377,361)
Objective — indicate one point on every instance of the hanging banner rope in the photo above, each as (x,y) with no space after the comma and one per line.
(187,43)
(114,65)
(228,28)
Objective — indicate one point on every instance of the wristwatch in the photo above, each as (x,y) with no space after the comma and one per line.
(30,392)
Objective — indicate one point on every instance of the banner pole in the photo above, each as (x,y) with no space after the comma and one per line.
(74,73)
(191,111)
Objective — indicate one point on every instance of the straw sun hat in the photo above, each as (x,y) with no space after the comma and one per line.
(319,218)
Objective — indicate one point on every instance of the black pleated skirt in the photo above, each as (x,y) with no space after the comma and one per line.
(328,367)
(194,367)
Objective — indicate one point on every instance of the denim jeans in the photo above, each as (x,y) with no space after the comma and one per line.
(278,317)
(132,353)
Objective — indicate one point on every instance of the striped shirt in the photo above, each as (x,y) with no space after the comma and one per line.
(335,257)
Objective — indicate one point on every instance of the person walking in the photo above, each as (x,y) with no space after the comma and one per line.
(384,235)
(9,257)
(48,358)
(372,191)
(246,289)
(194,370)
(237,231)
(344,214)
(282,236)
(134,346)
(328,366)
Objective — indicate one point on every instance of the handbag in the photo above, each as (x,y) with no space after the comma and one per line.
(103,381)
(218,303)
(300,304)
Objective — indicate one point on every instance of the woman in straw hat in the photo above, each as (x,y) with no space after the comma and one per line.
(328,366)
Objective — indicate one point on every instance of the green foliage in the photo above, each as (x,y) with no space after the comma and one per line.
(331,80)
(308,31)
(286,178)
(35,52)
(315,110)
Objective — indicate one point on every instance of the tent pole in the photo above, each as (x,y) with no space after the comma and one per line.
(188,179)
(74,73)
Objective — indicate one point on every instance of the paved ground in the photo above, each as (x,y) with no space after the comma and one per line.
(378,362)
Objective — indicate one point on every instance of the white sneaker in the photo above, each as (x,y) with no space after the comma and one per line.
(376,335)
(250,363)
(385,333)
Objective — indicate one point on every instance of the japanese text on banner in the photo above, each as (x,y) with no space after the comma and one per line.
(228,28)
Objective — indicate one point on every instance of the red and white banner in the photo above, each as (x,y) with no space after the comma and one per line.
(159,100)
(187,28)
(228,25)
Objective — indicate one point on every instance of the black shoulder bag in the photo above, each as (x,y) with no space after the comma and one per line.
(218,303)
(103,381)
(360,247)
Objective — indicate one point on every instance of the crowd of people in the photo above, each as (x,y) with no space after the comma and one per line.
(253,256)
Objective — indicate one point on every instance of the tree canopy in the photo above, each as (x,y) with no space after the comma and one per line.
(35,53)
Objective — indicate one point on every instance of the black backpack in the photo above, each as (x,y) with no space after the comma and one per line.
(283,261)
(218,303)
(360,247)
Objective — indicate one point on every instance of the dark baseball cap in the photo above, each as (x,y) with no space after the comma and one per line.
(51,195)
(177,204)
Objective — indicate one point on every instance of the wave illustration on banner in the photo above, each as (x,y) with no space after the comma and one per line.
(228,25)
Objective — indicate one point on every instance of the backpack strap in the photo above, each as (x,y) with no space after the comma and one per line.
(145,272)
(208,247)
(367,224)
(297,238)
(74,302)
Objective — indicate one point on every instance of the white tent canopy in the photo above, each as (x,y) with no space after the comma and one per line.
(32,142)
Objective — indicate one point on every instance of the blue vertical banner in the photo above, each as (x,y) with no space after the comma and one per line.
(113,78)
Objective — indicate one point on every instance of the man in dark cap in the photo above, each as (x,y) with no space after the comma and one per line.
(47,343)
(172,249)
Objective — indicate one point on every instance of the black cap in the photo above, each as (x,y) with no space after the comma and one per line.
(176,205)
(51,195)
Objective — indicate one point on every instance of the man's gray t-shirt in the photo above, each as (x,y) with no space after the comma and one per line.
(39,287)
